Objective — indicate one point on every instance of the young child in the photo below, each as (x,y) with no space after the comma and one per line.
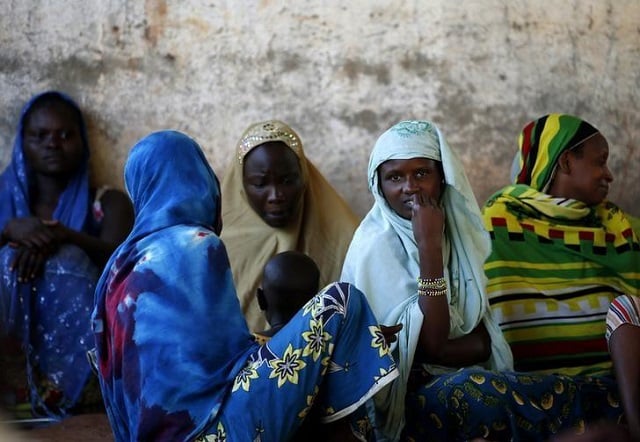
(289,280)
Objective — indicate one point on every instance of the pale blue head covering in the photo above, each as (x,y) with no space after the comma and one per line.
(383,262)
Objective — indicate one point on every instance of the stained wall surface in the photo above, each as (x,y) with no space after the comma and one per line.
(339,72)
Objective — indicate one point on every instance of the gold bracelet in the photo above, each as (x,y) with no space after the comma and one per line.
(432,283)
(432,292)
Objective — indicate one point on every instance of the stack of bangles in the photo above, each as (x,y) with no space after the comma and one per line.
(432,287)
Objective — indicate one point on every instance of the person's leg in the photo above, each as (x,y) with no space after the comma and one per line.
(13,376)
(354,427)
(475,403)
(328,360)
(48,318)
(61,304)
(10,313)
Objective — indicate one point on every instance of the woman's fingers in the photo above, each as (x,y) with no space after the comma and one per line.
(34,242)
(27,263)
(20,263)
(42,238)
(36,265)
(16,257)
(390,332)
(420,199)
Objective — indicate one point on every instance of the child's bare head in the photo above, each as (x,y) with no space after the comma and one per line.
(289,280)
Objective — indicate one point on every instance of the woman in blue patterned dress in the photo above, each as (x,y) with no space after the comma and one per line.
(56,234)
(175,357)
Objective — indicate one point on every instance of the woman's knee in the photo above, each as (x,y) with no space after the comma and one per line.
(341,294)
(71,259)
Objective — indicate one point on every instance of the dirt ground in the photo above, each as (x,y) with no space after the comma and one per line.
(85,428)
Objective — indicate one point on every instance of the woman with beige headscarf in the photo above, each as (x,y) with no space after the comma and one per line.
(273,200)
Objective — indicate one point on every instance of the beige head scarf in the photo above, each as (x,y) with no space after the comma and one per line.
(322,229)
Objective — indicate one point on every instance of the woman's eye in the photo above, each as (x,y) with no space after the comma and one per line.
(38,135)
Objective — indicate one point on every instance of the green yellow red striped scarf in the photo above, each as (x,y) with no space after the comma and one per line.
(556,263)
(555,266)
(542,141)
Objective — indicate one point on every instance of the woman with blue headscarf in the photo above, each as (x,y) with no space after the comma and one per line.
(56,234)
(175,357)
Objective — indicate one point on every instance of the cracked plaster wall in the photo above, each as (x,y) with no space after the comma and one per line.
(339,72)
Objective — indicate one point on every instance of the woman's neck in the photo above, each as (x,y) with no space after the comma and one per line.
(46,194)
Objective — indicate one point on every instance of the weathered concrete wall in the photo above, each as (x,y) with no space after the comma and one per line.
(339,72)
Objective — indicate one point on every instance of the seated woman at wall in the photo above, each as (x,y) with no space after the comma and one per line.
(275,200)
(418,256)
(57,233)
(561,253)
(166,311)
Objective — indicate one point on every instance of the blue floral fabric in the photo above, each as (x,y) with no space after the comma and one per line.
(331,355)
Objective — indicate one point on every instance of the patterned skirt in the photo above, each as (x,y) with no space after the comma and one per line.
(44,336)
(476,403)
(326,362)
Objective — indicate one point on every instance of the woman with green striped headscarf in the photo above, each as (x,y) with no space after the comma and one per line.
(418,257)
(561,252)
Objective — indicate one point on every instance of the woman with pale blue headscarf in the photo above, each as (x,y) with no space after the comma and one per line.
(175,357)
(418,256)
(56,233)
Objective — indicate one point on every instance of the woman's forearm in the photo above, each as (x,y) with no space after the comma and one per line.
(98,250)
(434,332)
(472,348)
(435,344)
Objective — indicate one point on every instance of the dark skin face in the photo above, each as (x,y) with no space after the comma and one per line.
(53,149)
(400,180)
(272,180)
(52,142)
(583,173)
